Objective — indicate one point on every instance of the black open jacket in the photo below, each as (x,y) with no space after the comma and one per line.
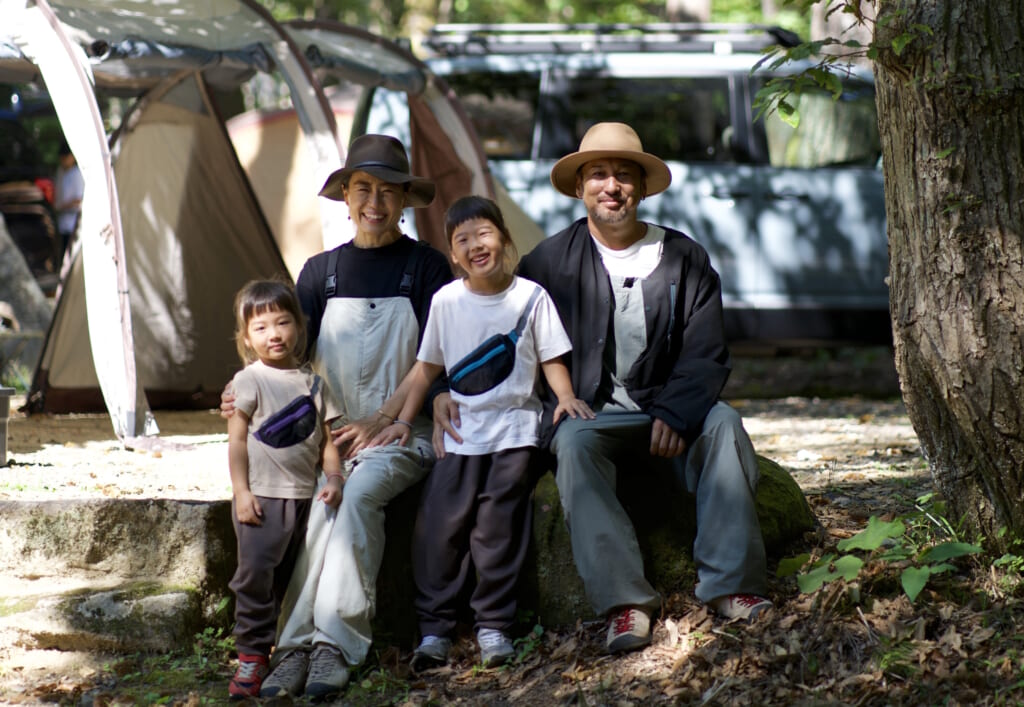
(681,373)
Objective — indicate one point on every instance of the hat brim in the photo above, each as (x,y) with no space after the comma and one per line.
(563,174)
(420,191)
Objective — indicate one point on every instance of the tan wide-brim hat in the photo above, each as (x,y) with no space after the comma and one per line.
(605,140)
(383,157)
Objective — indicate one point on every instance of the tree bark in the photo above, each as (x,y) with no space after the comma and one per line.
(951,117)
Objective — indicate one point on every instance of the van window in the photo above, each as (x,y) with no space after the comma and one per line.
(502,108)
(678,119)
(830,133)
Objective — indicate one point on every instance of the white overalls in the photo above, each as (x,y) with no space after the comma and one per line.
(364,349)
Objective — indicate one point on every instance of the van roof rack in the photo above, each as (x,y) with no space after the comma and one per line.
(467,39)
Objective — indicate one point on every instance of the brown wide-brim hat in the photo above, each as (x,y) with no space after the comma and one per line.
(605,140)
(383,157)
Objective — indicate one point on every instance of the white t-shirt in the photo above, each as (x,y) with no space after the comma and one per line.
(639,259)
(508,415)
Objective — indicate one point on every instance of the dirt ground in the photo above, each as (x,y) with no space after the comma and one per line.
(855,456)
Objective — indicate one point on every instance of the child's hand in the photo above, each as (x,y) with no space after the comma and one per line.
(248,509)
(394,431)
(331,492)
(573,407)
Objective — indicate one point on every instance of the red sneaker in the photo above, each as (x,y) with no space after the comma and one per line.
(249,676)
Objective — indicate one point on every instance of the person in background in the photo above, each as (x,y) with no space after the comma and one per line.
(69,187)
(490,331)
(277,436)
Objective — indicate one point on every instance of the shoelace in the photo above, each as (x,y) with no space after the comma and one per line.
(624,622)
(747,600)
(488,639)
(322,664)
(293,664)
(247,670)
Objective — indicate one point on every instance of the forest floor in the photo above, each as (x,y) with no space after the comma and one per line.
(856,642)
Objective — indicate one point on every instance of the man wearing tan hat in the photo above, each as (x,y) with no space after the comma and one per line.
(643,308)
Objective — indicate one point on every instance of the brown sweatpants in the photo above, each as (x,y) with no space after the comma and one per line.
(474,513)
(266,557)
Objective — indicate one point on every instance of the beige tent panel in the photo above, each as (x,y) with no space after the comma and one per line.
(194,235)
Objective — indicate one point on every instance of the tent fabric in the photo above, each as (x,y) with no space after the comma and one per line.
(194,235)
(171,227)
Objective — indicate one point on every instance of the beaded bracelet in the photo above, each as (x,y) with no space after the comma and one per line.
(380,411)
(403,422)
(335,475)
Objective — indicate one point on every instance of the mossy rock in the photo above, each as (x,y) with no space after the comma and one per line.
(551,590)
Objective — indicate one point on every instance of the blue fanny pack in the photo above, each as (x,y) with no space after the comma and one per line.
(492,361)
(293,423)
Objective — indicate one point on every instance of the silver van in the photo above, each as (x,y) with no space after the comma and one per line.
(793,218)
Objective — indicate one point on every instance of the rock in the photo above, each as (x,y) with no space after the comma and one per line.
(130,574)
(116,574)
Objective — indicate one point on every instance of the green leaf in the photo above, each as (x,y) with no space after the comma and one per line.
(789,114)
(900,43)
(788,566)
(847,567)
(872,537)
(913,580)
(945,153)
(948,551)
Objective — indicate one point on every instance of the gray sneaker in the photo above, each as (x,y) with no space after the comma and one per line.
(328,673)
(495,647)
(288,677)
(628,630)
(432,652)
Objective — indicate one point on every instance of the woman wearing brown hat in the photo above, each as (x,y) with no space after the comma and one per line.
(367,302)
(643,309)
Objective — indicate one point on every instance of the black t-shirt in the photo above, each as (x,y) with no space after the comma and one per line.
(367,273)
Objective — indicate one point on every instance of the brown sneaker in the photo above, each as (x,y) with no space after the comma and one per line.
(628,630)
(740,606)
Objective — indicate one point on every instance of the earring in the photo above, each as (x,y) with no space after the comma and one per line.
(402,220)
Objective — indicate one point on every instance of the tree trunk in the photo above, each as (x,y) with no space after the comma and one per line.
(951,115)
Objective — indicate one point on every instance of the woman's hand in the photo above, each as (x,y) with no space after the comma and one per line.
(227,401)
(446,419)
(395,431)
(358,435)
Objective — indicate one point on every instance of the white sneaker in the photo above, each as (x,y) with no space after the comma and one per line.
(628,630)
(431,653)
(740,606)
(495,647)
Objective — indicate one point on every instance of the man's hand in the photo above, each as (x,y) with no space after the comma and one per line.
(665,442)
(446,419)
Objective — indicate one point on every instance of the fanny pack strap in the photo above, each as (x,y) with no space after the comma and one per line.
(521,324)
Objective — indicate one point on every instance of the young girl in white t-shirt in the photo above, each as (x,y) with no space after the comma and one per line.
(490,331)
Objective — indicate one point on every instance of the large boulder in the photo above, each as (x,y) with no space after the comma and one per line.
(114,574)
(123,574)
(551,588)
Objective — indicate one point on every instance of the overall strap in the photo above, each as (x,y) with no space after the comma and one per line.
(405,286)
(331,281)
